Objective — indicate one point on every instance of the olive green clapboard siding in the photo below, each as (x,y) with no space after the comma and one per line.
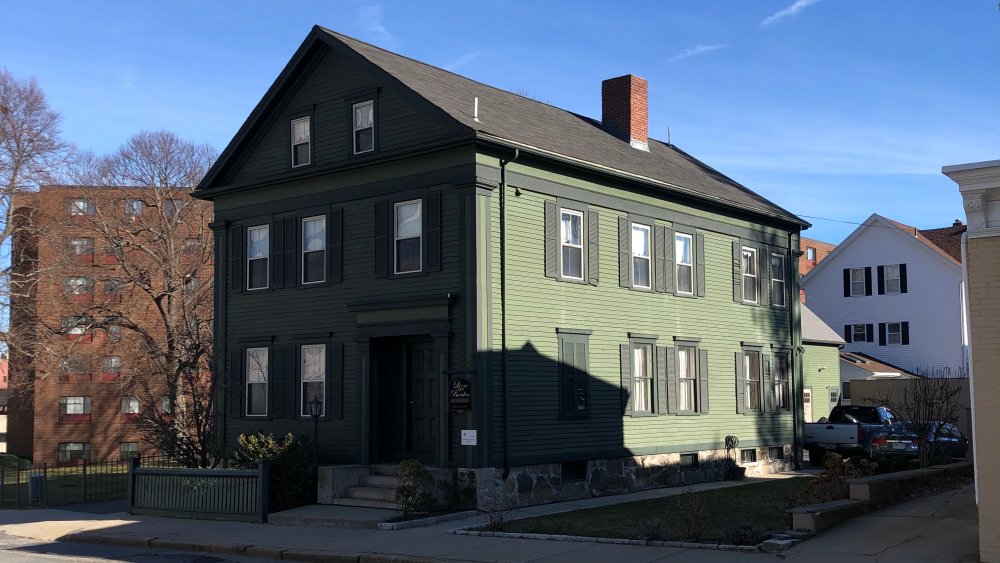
(818,356)
(537,305)
(284,316)
(327,93)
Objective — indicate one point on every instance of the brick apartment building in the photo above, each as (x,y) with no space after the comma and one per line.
(79,375)
(813,251)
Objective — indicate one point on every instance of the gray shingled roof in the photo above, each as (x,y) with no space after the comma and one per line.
(815,330)
(524,121)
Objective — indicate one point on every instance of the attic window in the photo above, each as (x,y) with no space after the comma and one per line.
(301,149)
(364,126)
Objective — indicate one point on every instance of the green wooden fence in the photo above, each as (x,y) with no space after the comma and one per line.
(210,494)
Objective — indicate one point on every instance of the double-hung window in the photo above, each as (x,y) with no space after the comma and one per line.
(751,381)
(571,242)
(82,249)
(256,381)
(778,280)
(857,281)
(80,289)
(77,326)
(641,256)
(859,332)
(314,249)
(364,126)
(643,373)
(892,279)
(748,267)
(74,409)
(313,378)
(130,405)
(301,145)
(133,209)
(894,333)
(111,367)
(782,381)
(684,264)
(811,255)
(128,450)
(74,451)
(258,249)
(408,236)
(687,378)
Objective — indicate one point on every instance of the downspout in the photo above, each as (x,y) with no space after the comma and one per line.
(503,310)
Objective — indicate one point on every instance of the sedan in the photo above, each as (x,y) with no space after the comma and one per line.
(900,440)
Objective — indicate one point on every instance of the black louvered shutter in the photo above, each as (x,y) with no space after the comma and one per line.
(868,280)
(660,260)
(703,381)
(626,390)
(699,249)
(275,378)
(902,278)
(870,332)
(381,239)
(764,276)
(551,240)
(291,251)
(881,334)
(848,333)
(741,385)
(669,268)
(767,396)
(881,280)
(567,376)
(236,267)
(624,253)
(672,386)
(336,242)
(593,247)
(234,384)
(737,272)
(290,382)
(276,232)
(664,392)
(905,328)
(847,282)
(432,220)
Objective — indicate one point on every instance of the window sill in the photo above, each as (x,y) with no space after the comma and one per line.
(642,414)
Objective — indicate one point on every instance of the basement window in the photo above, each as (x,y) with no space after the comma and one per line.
(689,460)
(574,471)
(748,455)
(776,453)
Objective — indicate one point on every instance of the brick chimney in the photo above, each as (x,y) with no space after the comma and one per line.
(624,112)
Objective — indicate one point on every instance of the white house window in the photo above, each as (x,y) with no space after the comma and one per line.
(894,333)
(642,378)
(313,377)
(313,249)
(641,268)
(364,127)
(778,280)
(258,248)
(684,263)
(571,228)
(687,369)
(408,231)
(892,277)
(748,265)
(301,152)
(859,332)
(782,381)
(80,207)
(256,377)
(751,374)
(857,281)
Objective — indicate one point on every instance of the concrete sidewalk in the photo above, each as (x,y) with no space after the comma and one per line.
(938,528)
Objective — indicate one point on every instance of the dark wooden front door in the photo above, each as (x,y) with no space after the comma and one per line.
(423,409)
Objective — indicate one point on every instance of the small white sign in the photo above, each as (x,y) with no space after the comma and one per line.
(468,437)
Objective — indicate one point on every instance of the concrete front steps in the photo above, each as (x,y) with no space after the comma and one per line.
(377,490)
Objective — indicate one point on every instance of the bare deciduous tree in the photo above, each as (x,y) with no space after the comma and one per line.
(924,404)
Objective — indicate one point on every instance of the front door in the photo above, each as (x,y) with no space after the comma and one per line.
(422,401)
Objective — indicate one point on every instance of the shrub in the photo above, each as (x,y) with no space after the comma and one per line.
(290,459)
(832,484)
(415,491)
(459,494)
(652,529)
(8,461)
(746,534)
(693,511)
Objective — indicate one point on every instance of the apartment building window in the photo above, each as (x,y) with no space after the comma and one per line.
(313,377)
(314,249)
(113,290)
(364,126)
(782,381)
(811,255)
(171,208)
(80,289)
(684,263)
(74,451)
(778,291)
(133,209)
(408,236)
(301,145)
(749,378)
(130,408)
(77,327)
(74,409)
(191,246)
(80,207)
(74,370)
(82,249)
(128,450)
(111,367)
(571,243)
(256,381)
(258,249)
(748,267)
(574,350)
(191,283)
(642,270)
(166,404)
(114,329)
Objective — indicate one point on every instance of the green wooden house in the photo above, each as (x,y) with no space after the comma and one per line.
(454,273)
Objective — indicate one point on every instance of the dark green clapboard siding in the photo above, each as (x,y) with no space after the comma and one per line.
(327,93)
(537,305)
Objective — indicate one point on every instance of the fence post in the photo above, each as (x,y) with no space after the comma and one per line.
(45,484)
(133,464)
(85,480)
(3,482)
(17,488)
(263,489)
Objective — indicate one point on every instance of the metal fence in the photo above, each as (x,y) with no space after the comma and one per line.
(69,483)
(215,494)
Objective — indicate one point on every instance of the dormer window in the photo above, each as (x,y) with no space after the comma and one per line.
(364,127)
(301,145)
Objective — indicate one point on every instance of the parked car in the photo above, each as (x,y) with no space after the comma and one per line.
(848,431)
(901,440)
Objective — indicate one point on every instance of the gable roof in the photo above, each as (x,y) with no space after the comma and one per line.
(871,222)
(874,365)
(532,126)
(815,331)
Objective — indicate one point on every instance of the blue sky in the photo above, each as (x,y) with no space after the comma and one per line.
(832,108)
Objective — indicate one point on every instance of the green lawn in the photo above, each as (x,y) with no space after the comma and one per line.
(64,486)
(716,511)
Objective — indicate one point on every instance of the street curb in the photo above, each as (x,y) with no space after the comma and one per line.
(420,522)
(588,539)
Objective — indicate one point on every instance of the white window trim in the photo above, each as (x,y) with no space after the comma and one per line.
(396,239)
(781,280)
(862,282)
(648,380)
(692,376)
(308,121)
(888,333)
(302,273)
(678,264)
(854,332)
(649,247)
(302,380)
(755,276)
(583,240)
(266,258)
(750,382)
(246,380)
(355,128)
